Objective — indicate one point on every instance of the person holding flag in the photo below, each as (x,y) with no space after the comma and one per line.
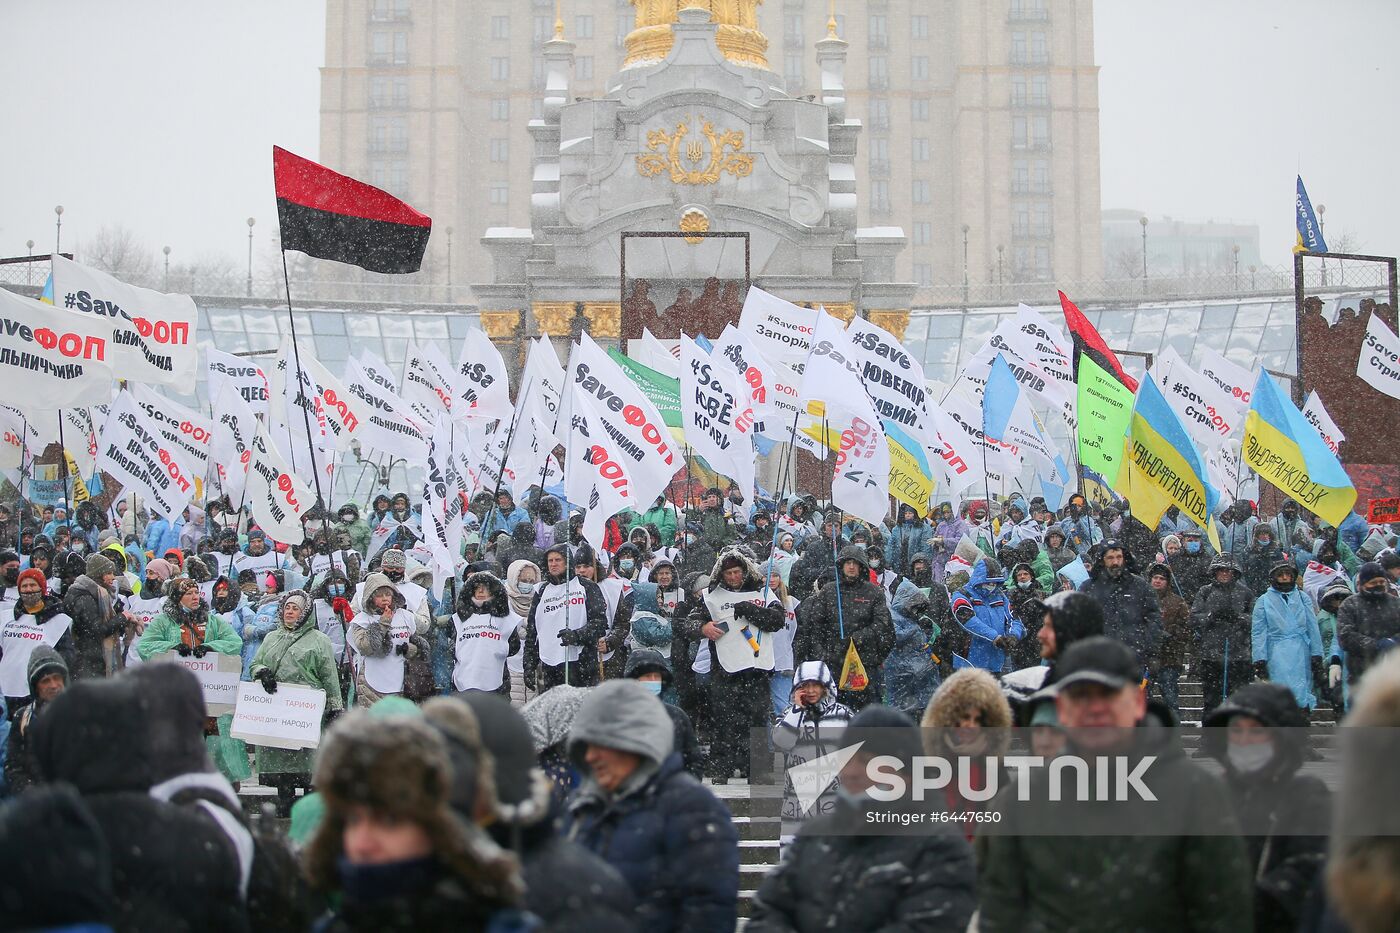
(567,617)
(844,620)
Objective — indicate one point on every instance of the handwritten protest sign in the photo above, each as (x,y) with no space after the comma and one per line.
(218,677)
(289,718)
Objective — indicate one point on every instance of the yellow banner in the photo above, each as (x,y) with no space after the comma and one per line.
(79,488)
(853,675)
(1279,461)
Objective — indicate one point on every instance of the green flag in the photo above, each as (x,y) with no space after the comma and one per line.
(663,391)
(1105,408)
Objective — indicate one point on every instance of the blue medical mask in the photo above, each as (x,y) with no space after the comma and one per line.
(336,589)
(626,564)
(652,685)
(1193,547)
(522,587)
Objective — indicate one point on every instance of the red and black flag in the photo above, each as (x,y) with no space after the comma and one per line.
(332,216)
(1087,342)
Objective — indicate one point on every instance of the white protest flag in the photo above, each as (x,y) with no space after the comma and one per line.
(952,453)
(278,498)
(184,428)
(1379,362)
(595,469)
(757,374)
(860,481)
(626,416)
(531,449)
(716,415)
(442,506)
(15,449)
(1034,379)
(232,445)
(1228,474)
(544,377)
(1236,382)
(1209,415)
(151,334)
(482,385)
(1033,337)
(427,380)
(388,429)
(652,354)
(781,330)
(1318,417)
(345,413)
(894,378)
(377,371)
(248,378)
(964,410)
(80,439)
(136,454)
(51,358)
(492,471)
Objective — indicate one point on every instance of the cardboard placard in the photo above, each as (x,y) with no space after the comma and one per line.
(1381,511)
(218,677)
(289,718)
(734,650)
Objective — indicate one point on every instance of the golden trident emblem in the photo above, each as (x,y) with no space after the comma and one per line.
(664,153)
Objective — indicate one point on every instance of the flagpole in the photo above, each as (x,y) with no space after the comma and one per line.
(63,471)
(23,455)
(835,535)
(305,417)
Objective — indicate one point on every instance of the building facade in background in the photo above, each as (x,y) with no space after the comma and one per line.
(980,117)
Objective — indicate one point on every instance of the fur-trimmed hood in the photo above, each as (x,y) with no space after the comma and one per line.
(753,577)
(968,691)
(498,604)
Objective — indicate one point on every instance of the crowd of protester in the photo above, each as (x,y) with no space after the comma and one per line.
(535,746)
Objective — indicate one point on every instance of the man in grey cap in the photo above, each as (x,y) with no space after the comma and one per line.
(1075,864)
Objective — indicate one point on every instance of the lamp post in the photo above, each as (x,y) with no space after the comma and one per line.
(58,229)
(1322,222)
(1235,251)
(1252,268)
(965,229)
(1143,220)
(29,266)
(251,221)
(1001,276)
(166,251)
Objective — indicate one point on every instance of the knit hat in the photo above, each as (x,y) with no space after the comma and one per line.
(43,662)
(1388,559)
(393,559)
(400,766)
(38,577)
(1369,571)
(98,566)
(176,590)
(159,569)
(296,596)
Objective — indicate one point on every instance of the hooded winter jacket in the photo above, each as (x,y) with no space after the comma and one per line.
(803,733)
(865,616)
(1285,815)
(1285,634)
(645,660)
(1220,615)
(482,636)
(985,598)
(1366,626)
(1176,623)
(667,834)
(909,537)
(1130,610)
(567,617)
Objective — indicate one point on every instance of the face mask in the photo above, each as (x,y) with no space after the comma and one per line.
(1265,542)
(875,565)
(1023,584)
(31,600)
(478,603)
(1247,759)
(626,564)
(690,539)
(523,588)
(1375,593)
(653,686)
(1283,586)
(1193,547)
(336,589)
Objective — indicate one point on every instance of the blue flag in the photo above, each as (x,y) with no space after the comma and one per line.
(999,398)
(1309,230)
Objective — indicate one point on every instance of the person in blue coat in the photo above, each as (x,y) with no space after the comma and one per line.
(909,537)
(1286,644)
(982,609)
(638,810)
(162,534)
(503,517)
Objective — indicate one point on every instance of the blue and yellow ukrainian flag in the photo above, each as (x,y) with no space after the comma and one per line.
(1309,230)
(1287,452)
(911,480)
(1162,467)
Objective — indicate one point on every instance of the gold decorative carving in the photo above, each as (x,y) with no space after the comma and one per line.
(841,310)
(690,168)
(500,325)
(893,321)
(605,318)
(694,221)
(738,36)
(554,317)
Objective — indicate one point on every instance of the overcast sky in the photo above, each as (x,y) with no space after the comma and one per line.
(161,115)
